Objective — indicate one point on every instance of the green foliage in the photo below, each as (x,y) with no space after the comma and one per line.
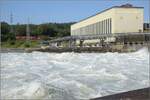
(47,31)
(20,44)
(5,32)
(12,42)
(20,30)
(45,38)
(5,28)
(27,44)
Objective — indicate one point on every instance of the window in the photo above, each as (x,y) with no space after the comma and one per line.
(102,27)
(110,25)
(97,28)
(106,26)
(94,28)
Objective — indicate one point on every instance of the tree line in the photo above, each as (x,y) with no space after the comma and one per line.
(46,29)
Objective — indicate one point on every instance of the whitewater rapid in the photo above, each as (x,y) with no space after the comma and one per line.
(72,76)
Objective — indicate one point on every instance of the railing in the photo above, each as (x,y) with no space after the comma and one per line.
(96,36)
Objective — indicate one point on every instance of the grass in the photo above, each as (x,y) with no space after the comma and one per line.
(20,44)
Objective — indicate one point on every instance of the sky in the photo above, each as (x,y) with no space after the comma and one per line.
(60,11)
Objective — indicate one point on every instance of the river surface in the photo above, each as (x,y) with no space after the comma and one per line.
(72,76)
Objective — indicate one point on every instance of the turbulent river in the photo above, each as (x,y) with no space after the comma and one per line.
(72,76)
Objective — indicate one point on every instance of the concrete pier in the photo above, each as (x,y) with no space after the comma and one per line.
(139,94)
(101,40)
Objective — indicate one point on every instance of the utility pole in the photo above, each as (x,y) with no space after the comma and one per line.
(11,22)
(28,32)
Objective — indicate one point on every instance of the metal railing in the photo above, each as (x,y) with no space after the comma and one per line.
(96,36)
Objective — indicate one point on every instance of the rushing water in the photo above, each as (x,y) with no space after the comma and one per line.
(71,76)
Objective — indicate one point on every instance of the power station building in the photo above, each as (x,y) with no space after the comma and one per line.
(115,26)
(117,19)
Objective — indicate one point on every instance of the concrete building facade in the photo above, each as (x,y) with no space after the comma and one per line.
(118,19)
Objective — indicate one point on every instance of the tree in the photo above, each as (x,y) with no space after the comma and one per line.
(5,28)
(5,32)
(46,29)
(21,30)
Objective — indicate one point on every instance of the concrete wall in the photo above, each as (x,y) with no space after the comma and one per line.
(127,20)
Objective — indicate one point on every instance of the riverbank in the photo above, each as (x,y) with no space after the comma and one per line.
(12,50)
(77,49)
(115,48)
(20,44)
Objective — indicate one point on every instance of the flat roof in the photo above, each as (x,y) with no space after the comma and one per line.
(106,10)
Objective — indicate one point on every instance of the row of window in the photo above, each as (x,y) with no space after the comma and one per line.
(102,27)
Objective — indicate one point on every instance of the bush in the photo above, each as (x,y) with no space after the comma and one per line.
(27,44)
(12,42)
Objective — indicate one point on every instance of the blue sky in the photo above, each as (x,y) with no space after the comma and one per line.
(42,11)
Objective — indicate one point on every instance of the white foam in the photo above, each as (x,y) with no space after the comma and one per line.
(41,75)
(35,90)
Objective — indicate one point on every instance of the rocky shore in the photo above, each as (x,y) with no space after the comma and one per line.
(115,48)
(6,50)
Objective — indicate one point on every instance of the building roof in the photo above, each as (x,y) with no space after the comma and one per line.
(122,6)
